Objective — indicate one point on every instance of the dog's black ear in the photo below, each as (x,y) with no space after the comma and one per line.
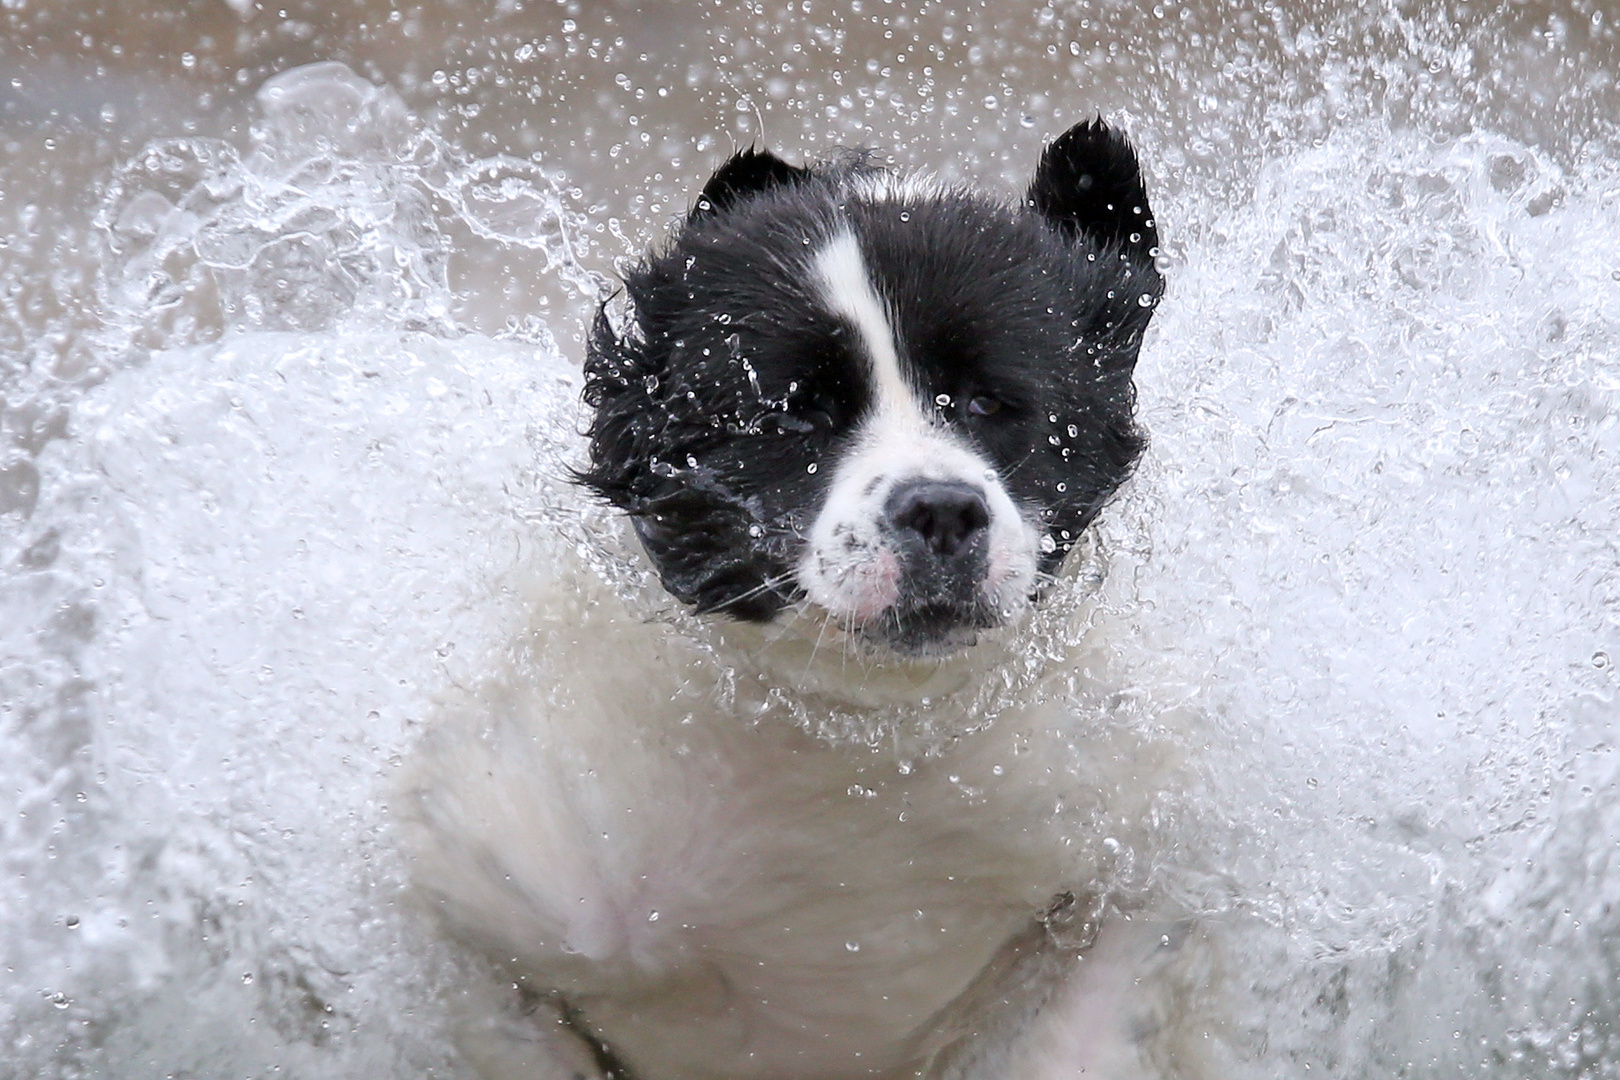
(1089,182)
(748,172)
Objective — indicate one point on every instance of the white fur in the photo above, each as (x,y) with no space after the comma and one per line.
(849,567)
(723,895)
(848,291)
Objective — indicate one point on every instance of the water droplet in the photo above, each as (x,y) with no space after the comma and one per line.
(1145,300)
(810,468)
(71,922)
(996,770)
(60,1000)
(1600,659)
(652,916)
(247,978)
(991,101)
(853,946)
(905,215)
(1048,545)
(942,400)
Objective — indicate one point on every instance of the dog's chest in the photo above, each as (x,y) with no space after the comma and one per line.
(799,904)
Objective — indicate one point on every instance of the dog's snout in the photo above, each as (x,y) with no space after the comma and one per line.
(947,515)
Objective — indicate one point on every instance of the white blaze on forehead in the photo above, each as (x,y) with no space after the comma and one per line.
(848,291)
(851,566)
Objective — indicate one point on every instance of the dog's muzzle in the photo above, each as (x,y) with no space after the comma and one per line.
(940,533)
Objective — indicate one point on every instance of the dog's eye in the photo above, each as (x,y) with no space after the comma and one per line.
(820,419)
(813,409)
(983,405)
(787,422)
(803,419)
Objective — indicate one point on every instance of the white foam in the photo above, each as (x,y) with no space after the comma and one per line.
(1368,562)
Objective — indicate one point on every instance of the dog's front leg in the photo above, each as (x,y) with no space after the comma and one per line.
(535,1037)
(1047,1006)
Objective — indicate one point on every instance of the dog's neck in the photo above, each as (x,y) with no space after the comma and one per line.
(814,657)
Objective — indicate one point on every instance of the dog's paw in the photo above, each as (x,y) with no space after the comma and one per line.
(1072,922)
(539,1046)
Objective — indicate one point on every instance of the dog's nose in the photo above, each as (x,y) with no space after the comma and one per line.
(948,515)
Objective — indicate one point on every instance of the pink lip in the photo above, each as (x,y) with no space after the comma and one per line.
(880,587)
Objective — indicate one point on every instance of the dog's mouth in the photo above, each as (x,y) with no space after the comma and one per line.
(940,602)
(914,599)
(931,630)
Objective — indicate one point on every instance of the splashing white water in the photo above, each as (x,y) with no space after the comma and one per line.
(1371,550)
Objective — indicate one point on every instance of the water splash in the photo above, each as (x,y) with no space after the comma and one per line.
(1361,579)
(339,217)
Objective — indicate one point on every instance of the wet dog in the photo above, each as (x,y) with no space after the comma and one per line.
(900,402)
(858,418)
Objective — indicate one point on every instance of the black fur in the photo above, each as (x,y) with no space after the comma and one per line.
(748,172)
(731,380)
(1089,182)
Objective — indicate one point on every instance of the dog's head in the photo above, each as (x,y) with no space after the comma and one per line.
(898,402)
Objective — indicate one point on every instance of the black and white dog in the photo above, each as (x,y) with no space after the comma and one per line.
(900,403)
(849,407)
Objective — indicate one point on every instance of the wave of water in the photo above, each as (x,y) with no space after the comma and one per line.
(1371,550)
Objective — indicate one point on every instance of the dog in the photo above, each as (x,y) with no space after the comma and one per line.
(830,818)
